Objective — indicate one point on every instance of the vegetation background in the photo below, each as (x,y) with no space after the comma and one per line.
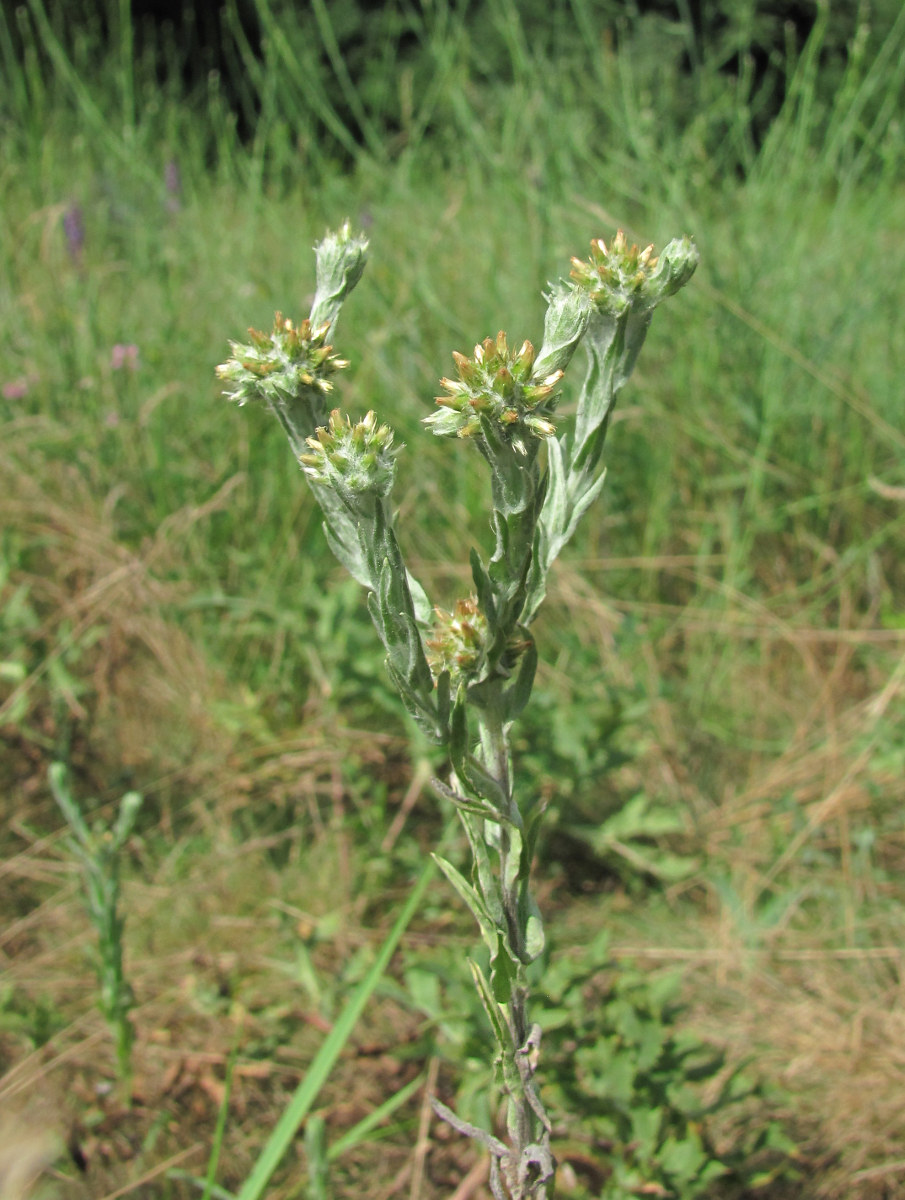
(718,720)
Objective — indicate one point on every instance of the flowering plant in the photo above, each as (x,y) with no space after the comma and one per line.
(466,675)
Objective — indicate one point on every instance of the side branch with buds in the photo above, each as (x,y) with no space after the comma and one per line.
(466,675)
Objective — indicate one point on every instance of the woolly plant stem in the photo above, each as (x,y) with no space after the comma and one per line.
(466,675)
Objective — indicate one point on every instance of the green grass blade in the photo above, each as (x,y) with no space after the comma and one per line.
(372,137)
(210,1181)
(215,1192)
(318,1187)
(325,1059)
(92,116)
(359,1132)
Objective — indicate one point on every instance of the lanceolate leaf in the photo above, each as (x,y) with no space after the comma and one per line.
(472,899)
(503,973)
(532,930)
(482,782)
(501,1033)
(483,587)
(420,706)
(487,881)
(518,693)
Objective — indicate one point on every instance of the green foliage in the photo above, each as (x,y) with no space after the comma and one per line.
(332,84)
(573,752)
(306,1093)
(638,1100)
(632,835)
(31,1019)
(638,1091)
(347,80)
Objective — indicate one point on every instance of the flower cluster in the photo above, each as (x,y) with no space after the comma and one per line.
(498,384)
(459,639)
(624,277)
(355,459)
(281,364)
(615,273)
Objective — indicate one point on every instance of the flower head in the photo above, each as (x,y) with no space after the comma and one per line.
(500,385)
(620,277)
(356,459)
(459,639)
(278,365)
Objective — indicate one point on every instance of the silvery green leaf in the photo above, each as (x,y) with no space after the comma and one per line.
(444,710)
(568,499)
(482,782)
(533,932)
(419,705)
(472,899)
(396,620)
(565,322)
(501,1032)
(420,602)
(467,804)
(636,328)
(483,587)
(503,974)
(586,492)
(299,414)
(346,551)
(458,729)
(514,861)
(605,343)
(487,881)
(518,693)
(555,513)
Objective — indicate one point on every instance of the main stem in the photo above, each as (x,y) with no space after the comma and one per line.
(528,1167)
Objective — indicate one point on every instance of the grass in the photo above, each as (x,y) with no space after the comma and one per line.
(170,621)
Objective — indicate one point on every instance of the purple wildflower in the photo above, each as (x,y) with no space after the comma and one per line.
(124,356)
(74,228)
(15,390)
(172,179)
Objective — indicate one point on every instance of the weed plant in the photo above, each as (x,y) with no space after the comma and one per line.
(466,675)
(98,852)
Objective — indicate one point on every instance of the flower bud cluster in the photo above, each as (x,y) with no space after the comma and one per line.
(282,363)
(622,277)
(612,276)
(341,259)
(500,385)
(459,639)
(356,459)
